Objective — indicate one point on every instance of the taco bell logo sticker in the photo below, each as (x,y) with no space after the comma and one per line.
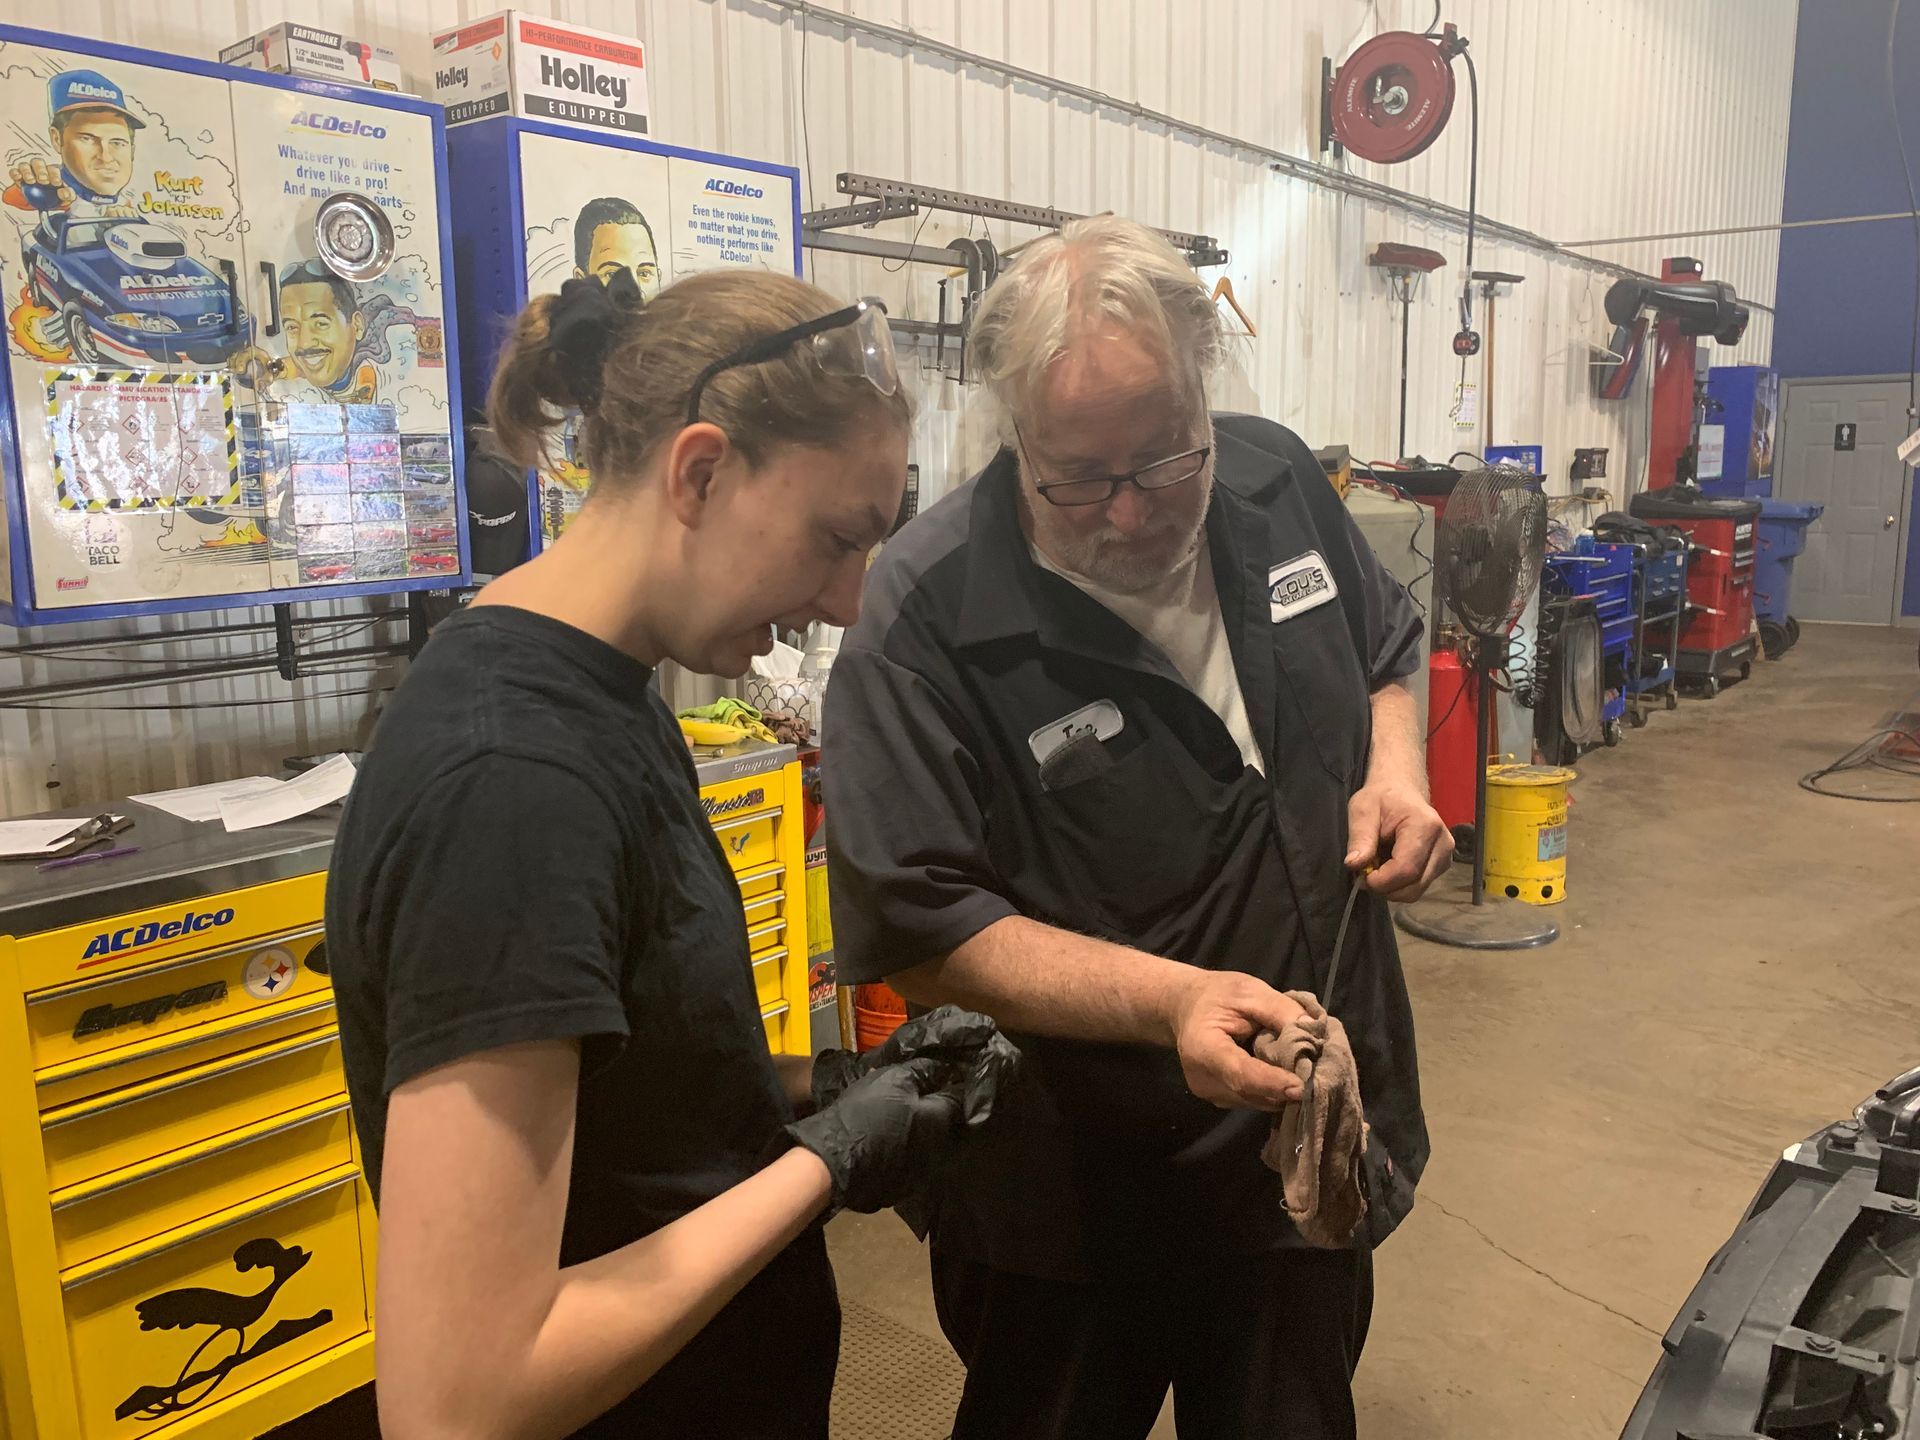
(1301,584)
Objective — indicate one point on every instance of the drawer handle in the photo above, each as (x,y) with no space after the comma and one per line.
(760,902)
(770,958)
(86,1110)
(199,957)
(769,872)
(74,1195)
(773,929)
(774,1012)
(143,1052)
(173,1239)
(722,826)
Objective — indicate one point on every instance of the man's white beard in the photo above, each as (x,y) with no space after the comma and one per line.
(1130,565)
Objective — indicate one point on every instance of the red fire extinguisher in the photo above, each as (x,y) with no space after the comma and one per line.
(1451,727)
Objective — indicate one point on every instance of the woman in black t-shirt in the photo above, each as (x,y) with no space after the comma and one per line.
(597,1209)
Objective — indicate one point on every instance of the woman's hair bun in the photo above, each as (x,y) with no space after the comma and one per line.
(582,326)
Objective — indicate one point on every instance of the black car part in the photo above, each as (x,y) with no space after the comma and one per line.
(1805,1325)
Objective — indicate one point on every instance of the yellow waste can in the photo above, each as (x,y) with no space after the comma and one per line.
(1527,832)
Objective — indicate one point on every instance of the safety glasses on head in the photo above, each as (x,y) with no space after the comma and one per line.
(853,342)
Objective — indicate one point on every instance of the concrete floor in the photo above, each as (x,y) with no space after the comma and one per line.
(1735,970)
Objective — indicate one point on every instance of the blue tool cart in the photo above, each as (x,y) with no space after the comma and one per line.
(227,376)
(1660,608)
(1601,575)
(540,204)
(1782,534)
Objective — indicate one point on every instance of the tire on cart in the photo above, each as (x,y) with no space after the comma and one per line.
(1673,698)
(1746,669)
(1775,639)
(1610,733)
(1637,716)
(1793,631)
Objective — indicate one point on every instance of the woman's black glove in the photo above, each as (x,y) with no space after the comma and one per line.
(950,1034)
(883,1132)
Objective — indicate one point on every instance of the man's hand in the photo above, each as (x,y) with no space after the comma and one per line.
(1212,1019)
(38,172)
(1396,817)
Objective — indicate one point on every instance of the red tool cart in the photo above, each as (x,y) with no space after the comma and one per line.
(1718,639)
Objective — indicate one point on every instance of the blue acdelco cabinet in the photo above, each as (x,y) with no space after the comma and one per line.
(538,204)
(1736,437)
(229,336)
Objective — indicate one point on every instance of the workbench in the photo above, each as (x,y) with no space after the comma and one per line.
(187,1239)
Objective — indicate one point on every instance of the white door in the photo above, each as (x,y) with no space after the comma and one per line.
(120,250)
(1838,451)
(347,363)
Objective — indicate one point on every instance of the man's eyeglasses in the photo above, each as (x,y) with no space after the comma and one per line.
(1160,475)
(853,341)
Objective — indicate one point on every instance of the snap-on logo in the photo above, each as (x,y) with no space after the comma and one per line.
(113,944)
(103,1018)
(1301,584)
(338,125)
(733,187)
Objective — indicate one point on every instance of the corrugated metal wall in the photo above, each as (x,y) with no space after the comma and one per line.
(1599,118)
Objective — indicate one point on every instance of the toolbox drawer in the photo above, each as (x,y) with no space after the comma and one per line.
(764,907)
(123,1207)
(139,1122)
(201,1313)
(757,884)
(774,1018)
(766,977)
(766,936)
(749,840)
(73,1022)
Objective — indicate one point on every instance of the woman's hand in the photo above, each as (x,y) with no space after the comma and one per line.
(885,1130)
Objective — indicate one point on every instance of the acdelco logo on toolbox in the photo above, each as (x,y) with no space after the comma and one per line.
(113,944)
(733,187)
(337,125)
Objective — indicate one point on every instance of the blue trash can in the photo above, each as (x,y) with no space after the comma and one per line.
(1780,535)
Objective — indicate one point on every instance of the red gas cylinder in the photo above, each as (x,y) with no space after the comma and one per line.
(1451,725)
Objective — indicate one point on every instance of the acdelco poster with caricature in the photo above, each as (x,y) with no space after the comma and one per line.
(594,209)
(180,328)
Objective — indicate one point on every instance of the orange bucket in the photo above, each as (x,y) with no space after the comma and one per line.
(877,1013)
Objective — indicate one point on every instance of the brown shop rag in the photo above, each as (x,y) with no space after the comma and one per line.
(1317,1142)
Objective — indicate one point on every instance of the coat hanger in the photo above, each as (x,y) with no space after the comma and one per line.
(1223,290)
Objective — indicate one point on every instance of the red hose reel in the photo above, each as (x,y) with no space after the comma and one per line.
(1392,97)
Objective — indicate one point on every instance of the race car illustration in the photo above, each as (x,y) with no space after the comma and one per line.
(433,563)
(128,288)
(322,570)
(430,532)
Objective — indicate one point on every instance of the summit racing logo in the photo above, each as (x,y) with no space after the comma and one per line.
(732,187)
(337,125)
(113,944)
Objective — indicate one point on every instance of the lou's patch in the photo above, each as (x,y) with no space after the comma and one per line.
(1299,585)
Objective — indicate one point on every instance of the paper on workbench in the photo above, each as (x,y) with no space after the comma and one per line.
(321,785)
(202,802)
(23,839)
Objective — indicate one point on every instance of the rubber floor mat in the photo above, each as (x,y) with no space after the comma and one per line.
(894,1383)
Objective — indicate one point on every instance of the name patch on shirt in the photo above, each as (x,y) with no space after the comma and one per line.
(1299,585)
(1102,719)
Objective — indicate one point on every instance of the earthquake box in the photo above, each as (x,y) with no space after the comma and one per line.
(316,55)
(539,69)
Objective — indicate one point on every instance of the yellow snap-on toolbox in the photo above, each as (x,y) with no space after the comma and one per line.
(188,1245)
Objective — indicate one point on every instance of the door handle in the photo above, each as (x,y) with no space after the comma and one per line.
(273,299)
(1890,523)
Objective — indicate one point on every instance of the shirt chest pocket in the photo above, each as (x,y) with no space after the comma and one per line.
(1314,653)
(1134,836)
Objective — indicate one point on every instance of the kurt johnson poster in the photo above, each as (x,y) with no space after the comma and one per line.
(172,326)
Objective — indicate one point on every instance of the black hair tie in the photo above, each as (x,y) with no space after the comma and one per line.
(582,326)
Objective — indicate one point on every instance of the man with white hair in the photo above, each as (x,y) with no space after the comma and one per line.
(1121,722)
